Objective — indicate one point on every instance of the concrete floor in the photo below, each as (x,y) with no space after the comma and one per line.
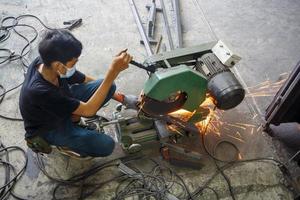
(265,33)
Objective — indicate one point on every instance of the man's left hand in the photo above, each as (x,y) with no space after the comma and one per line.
(130,102)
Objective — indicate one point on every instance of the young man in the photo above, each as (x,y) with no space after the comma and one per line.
(55,95)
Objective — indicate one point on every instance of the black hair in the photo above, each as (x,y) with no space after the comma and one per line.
(59,45)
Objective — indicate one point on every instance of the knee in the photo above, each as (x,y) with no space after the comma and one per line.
(102,146)
(108,147)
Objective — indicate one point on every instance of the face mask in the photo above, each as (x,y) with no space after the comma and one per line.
(69,73)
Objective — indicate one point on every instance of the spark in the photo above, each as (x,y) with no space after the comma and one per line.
(258,129)
(226,128)
(172,128)
(238,133)
(252,131)
(262,83)
(266,88)
(237,126)
(254,116)
(247,125)
(239,139)
(240,156)
(218,133)
(182,114)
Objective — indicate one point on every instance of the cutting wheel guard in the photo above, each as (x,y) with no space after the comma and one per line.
(154,107)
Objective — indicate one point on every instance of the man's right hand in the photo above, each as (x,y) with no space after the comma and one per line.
(120,62)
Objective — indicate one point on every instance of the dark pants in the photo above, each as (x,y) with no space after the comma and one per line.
(80,140)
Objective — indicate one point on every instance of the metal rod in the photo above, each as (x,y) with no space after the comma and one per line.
(140,27)
(158,45)
(178,27)
(151,21)
(166,25)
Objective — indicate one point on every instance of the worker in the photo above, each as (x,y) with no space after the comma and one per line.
(55,95)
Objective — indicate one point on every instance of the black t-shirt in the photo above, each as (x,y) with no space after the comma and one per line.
(43,105)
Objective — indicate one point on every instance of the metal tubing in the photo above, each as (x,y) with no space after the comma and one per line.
(166,25)
(178,27)
(151,20)
(140,27)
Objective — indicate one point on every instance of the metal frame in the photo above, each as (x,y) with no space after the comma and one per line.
(166,25)
(178,28)
(284,99)
(140,27)
(175,57)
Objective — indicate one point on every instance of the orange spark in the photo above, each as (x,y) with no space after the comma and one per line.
(239,139)
(247,125)
(182,114)
(239,156)
(237,126)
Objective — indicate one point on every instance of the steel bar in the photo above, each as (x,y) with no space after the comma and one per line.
(166,25)
(140,27)
(151,20)
(281,109)
(158,45)
(178,27)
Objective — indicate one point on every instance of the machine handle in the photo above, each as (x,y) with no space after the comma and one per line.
(140,65)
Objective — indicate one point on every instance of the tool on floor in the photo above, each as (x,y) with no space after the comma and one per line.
(73,23)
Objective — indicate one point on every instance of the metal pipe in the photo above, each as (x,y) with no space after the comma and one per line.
(178,27)
(151,20)
(166,25)
(140,27)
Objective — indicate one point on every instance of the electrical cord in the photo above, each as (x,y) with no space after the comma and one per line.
(158,183)
(1,100)
(80,180)
(215,159)
(7,26)
(228,164)
(9,183)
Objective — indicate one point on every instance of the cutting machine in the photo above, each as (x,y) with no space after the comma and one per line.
(180,79)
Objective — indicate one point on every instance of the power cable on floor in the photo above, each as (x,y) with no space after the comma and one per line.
(10,181)
(229,164)
(7,26)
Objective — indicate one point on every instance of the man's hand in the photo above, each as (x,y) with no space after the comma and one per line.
(130,102)
(120,62)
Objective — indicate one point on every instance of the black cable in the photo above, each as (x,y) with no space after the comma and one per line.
(228,164)
(7,188)
(215,159)
(158,184)
(2,96)
(7,25)
(154,183)
(80,180)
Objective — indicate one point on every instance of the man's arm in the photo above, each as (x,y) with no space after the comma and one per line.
(89,108)
(88,79)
